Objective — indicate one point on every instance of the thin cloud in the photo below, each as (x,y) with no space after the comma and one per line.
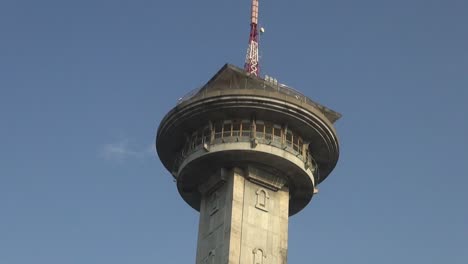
(122,151)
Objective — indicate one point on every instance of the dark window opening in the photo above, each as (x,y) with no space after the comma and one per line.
(236,127)
(218,129)
(246,129)
(226,130)
(260,131)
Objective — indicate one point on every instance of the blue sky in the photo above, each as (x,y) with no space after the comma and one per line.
(84,84)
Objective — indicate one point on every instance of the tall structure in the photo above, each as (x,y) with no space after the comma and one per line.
(252,65)
(247,153)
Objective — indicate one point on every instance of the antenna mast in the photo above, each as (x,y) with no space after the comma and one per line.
(251,61)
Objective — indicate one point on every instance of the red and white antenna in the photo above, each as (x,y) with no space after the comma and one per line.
(252,60)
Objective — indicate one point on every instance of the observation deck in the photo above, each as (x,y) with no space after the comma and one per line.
(239,120)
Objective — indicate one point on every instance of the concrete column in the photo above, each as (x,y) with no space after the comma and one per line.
(243,218)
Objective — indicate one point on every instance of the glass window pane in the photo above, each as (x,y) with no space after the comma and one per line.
(236,128)
(218,127)
(227,130)
(268,131)
(277,134)
(301,145)
(260,128)
(277,131)
(289,138)
(296,147)
(260,131)
(245,129)
(206,135)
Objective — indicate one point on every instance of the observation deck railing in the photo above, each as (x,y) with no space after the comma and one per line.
(213,138)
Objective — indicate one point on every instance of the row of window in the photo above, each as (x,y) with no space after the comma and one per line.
(230,128)
(245,128)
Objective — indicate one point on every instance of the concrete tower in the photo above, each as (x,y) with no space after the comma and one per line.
(247,153)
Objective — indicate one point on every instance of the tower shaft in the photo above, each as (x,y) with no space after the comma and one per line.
(252,58)
(243,218)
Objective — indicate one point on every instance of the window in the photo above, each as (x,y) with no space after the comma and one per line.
(262,199)
(207,134)
(260,130)
(296,143)
(245,128)
(227,129)
(258,256)
(277,134)
(218,129)
(301,145)
(268,131)
(289,138)
(236,127)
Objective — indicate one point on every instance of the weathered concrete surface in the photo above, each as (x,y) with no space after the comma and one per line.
(243,218)
(196,168)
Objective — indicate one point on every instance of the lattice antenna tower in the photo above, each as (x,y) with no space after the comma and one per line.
(252,65)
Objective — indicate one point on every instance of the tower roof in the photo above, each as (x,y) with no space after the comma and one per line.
(231,78)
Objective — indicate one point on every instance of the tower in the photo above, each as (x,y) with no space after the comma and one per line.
(247,153)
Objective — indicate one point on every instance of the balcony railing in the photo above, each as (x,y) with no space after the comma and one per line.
(226,131)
